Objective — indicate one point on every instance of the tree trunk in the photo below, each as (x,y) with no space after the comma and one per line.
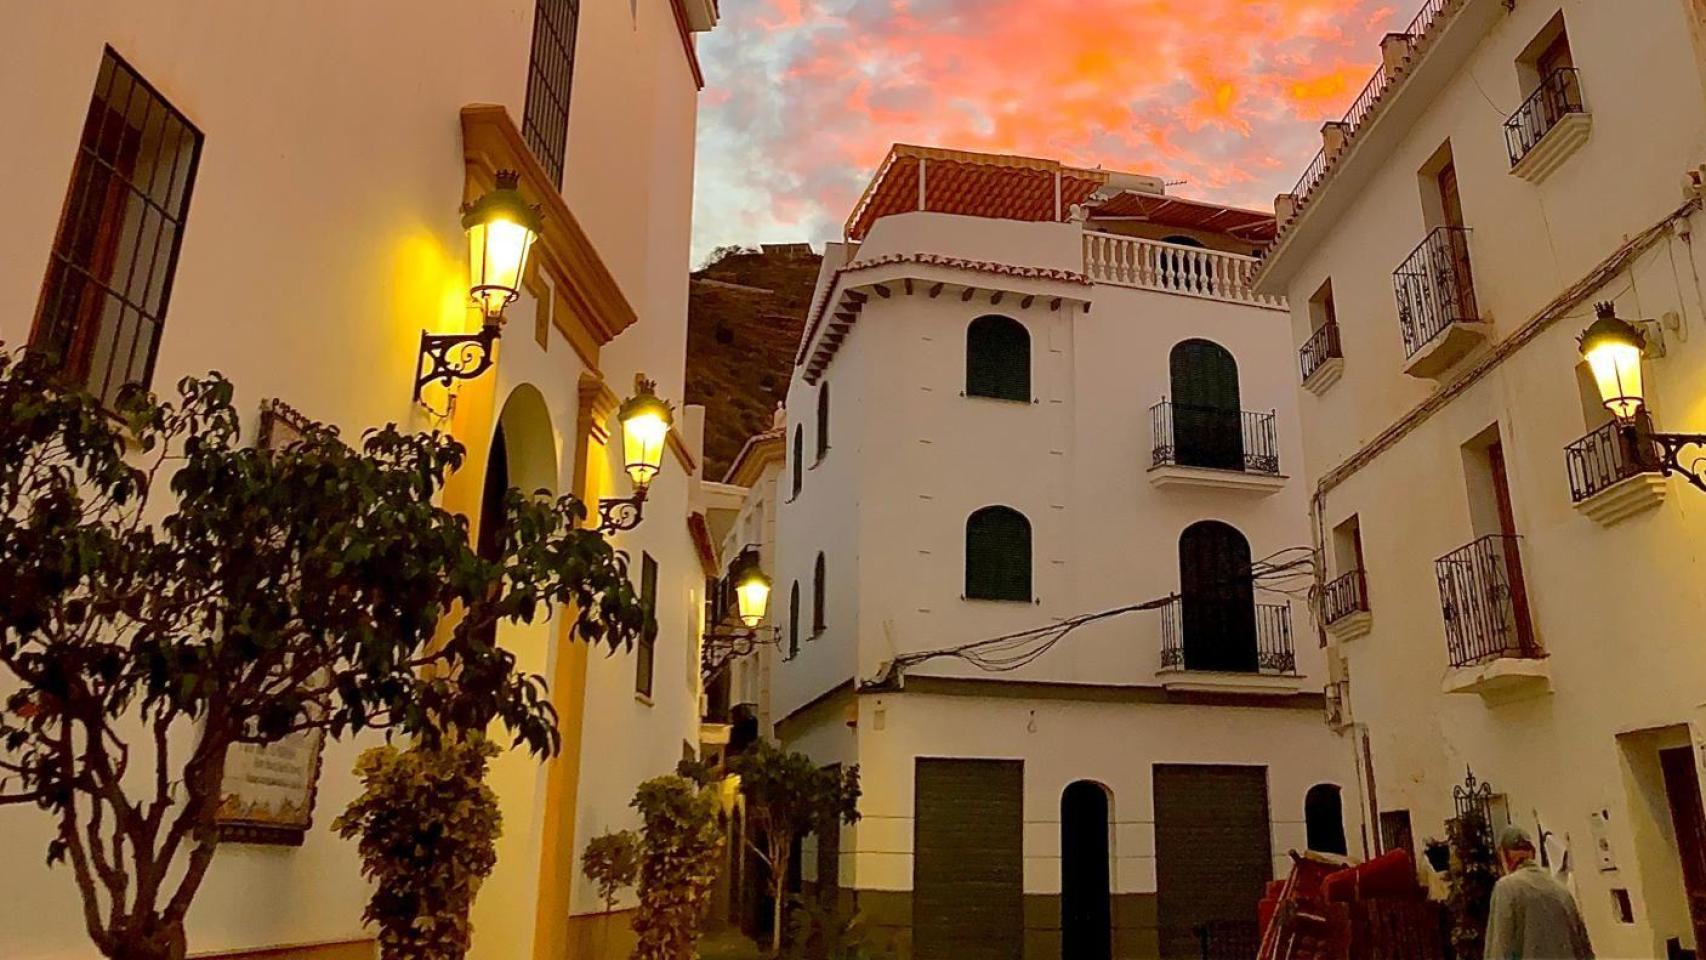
(778,885)
(156,940)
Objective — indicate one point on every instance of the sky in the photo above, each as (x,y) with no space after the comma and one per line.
(804,97)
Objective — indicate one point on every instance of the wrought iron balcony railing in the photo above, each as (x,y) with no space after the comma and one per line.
(1322,345)
(1485,602)
(1558,96)
(1600,459)
(1344,596)
(1434,288)
(1187,435)
(1226,634)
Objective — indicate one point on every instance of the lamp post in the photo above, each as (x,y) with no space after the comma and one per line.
(501,228)
(645,421)
(1613,348)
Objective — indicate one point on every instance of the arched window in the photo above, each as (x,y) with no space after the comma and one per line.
(799,458)
(998,359)
(794,620)
(818,597)
(998,555)
(822,420)
(1207,425)
(1217,599)
(1324,819)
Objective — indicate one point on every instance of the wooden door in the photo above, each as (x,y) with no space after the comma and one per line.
(1450,201)
(1086,914)
(968,860)
(1682,788)
(1213,859)
(1512,555)
(1207,424)
(1217,599)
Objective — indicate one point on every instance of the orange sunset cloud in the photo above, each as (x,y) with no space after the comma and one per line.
(805,96)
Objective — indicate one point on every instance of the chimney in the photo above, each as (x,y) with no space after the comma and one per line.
(1394,51)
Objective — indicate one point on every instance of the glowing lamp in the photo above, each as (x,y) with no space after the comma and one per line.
(645,430)
(752,588)
(1612,348)
(501,229)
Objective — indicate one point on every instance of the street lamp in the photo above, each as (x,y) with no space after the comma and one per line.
(645,421)
(501,228)
(752,588)
(1613,348)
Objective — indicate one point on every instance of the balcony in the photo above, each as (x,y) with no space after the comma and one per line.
(1489,636)
(1211,447)
(1549,126)
(1321,359)
(1227,644)
(1344,607)
(1173,268)
(1608,483)
(1436,304)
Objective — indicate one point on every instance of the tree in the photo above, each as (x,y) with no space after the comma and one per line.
(680,844)
(268,593)
(787,797)
(611,861)
(428,826)
(1474,871)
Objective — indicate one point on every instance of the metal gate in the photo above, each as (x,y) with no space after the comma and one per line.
(1213,859)
(968,860)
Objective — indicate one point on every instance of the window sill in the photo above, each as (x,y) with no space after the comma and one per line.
(1009,401)
(1004,600)
(1262,484)
(1324,376)
(643,699)
(1436,358)
(1351,626)
(1502,680)
(1626,498)
(1213,681)
(1559,143)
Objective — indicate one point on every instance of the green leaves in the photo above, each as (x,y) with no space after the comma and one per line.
(612,861)
(678,864)
(428,828)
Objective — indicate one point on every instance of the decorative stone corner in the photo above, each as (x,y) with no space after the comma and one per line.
(1564,139)
(1324,376)
(1351,626)
(1502,680)
(1260,484)
(1439,355)
(1624,499)
(1212,681)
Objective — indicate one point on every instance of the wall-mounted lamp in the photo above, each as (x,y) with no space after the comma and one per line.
(501,228)
(1613,348)
(751,586)
(645,421)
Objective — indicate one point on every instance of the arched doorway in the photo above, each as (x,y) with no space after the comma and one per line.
(1207,425)
(1324,819)
(1217,598)
(1086,916)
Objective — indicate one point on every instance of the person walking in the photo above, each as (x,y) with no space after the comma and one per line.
(1532,916)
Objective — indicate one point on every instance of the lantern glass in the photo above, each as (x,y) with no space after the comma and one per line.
(1613,348)
(501,228)
(645,430)
(752,594)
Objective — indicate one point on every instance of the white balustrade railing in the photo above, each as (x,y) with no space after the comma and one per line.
(1172,268)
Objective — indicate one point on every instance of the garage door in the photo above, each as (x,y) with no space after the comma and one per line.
(1213,858)
(968,860)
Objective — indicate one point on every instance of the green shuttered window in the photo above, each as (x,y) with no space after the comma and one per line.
(998,555)
(998,359)
(645,660)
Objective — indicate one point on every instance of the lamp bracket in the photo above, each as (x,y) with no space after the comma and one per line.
(454,356)
(1664,452)
(1654,332)
(618,514)
(721,645)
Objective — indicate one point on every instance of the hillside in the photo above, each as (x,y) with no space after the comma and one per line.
(745,311)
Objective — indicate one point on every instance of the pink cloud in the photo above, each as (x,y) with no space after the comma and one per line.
(806,96)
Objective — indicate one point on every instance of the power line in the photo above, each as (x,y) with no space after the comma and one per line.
(1290,572)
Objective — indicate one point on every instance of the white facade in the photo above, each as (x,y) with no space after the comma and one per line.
(910,457)
(1569,730)
(321,239)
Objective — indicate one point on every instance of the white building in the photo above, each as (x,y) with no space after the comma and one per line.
(1511,592)
(301,210)
(1021,397)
